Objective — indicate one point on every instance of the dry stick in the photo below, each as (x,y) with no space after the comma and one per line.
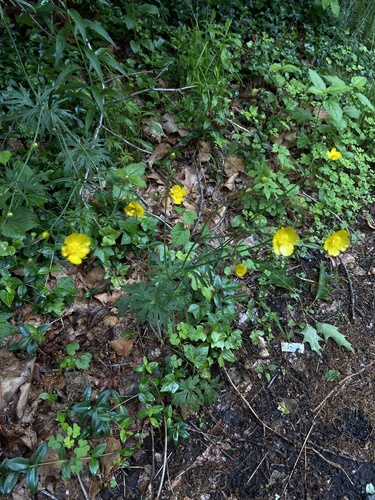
(297,460)
(82,487)
(126,142)
(257,468)
(252,410)
(338,388)
(333,464)
(164,460)
(352,301)
(152,89)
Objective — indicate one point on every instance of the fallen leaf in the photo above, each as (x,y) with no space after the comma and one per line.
(111,453)
(123,347)
(160,151)
(233,164)
(204,151)
(230,184)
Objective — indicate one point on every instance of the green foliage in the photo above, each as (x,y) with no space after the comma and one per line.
(311,336)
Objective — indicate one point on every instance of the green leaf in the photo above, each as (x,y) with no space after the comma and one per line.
(324,278)
(98,450)
(334,109)
(331,331)
(83,362)
(133,174)
(197,355)
(93,466)
(6,329)
(40,453)
(364,100)
(72,348)
(94,62)
(6,250)
(180,235)
(5,156)
(18,464)
(10,482)
(32,479)
(338,89)
(310,335)
(21,221)
(79,23)
(189,217)
(317,80)
(359,82)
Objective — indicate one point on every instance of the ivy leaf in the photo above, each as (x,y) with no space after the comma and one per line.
(16,225)
(180,235)
(310,335)
(197,355)
(331,331)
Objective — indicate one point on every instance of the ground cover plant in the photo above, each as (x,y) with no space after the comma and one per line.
(166,171)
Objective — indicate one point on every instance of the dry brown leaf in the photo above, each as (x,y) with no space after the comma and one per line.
(233,164)
(321,112)
(152,133)
(16,374)
(110,454)
(230,184)
(95,277)
(204,151)
(170,126)
(122,347)
(159,153)
(109,298)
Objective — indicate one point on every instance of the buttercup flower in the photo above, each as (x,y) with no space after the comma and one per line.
(134,209)
(337,242)
(334,154)
(240,270)
(178,194)
(77,246)
(284,241)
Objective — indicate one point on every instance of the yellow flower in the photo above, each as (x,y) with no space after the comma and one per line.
(77,246)
(178,194)
(240,270)
(334,154)
(337,242)
(134,209)
(284,241)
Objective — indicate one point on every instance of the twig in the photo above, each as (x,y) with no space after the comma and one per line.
(152,89)
(257,468)
(127,142)
(339,387)
(297,459)
(82,487)
(305,195)
(334,464)
(164,459)
(48,494)
(351,292)
(250,407)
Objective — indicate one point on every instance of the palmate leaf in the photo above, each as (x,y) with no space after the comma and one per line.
(331,331)
(16,225)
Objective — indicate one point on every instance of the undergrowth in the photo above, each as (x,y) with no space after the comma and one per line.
(85,103)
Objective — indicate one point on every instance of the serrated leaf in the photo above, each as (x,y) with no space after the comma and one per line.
(323,289)
(180,235)
(310,336)
(21,221)
(331,331)
(364,100)
(334,109)
(317,80)
(359,82)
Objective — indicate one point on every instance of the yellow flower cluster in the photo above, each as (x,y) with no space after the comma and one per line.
(286,238)
(178,194)
(77,246)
